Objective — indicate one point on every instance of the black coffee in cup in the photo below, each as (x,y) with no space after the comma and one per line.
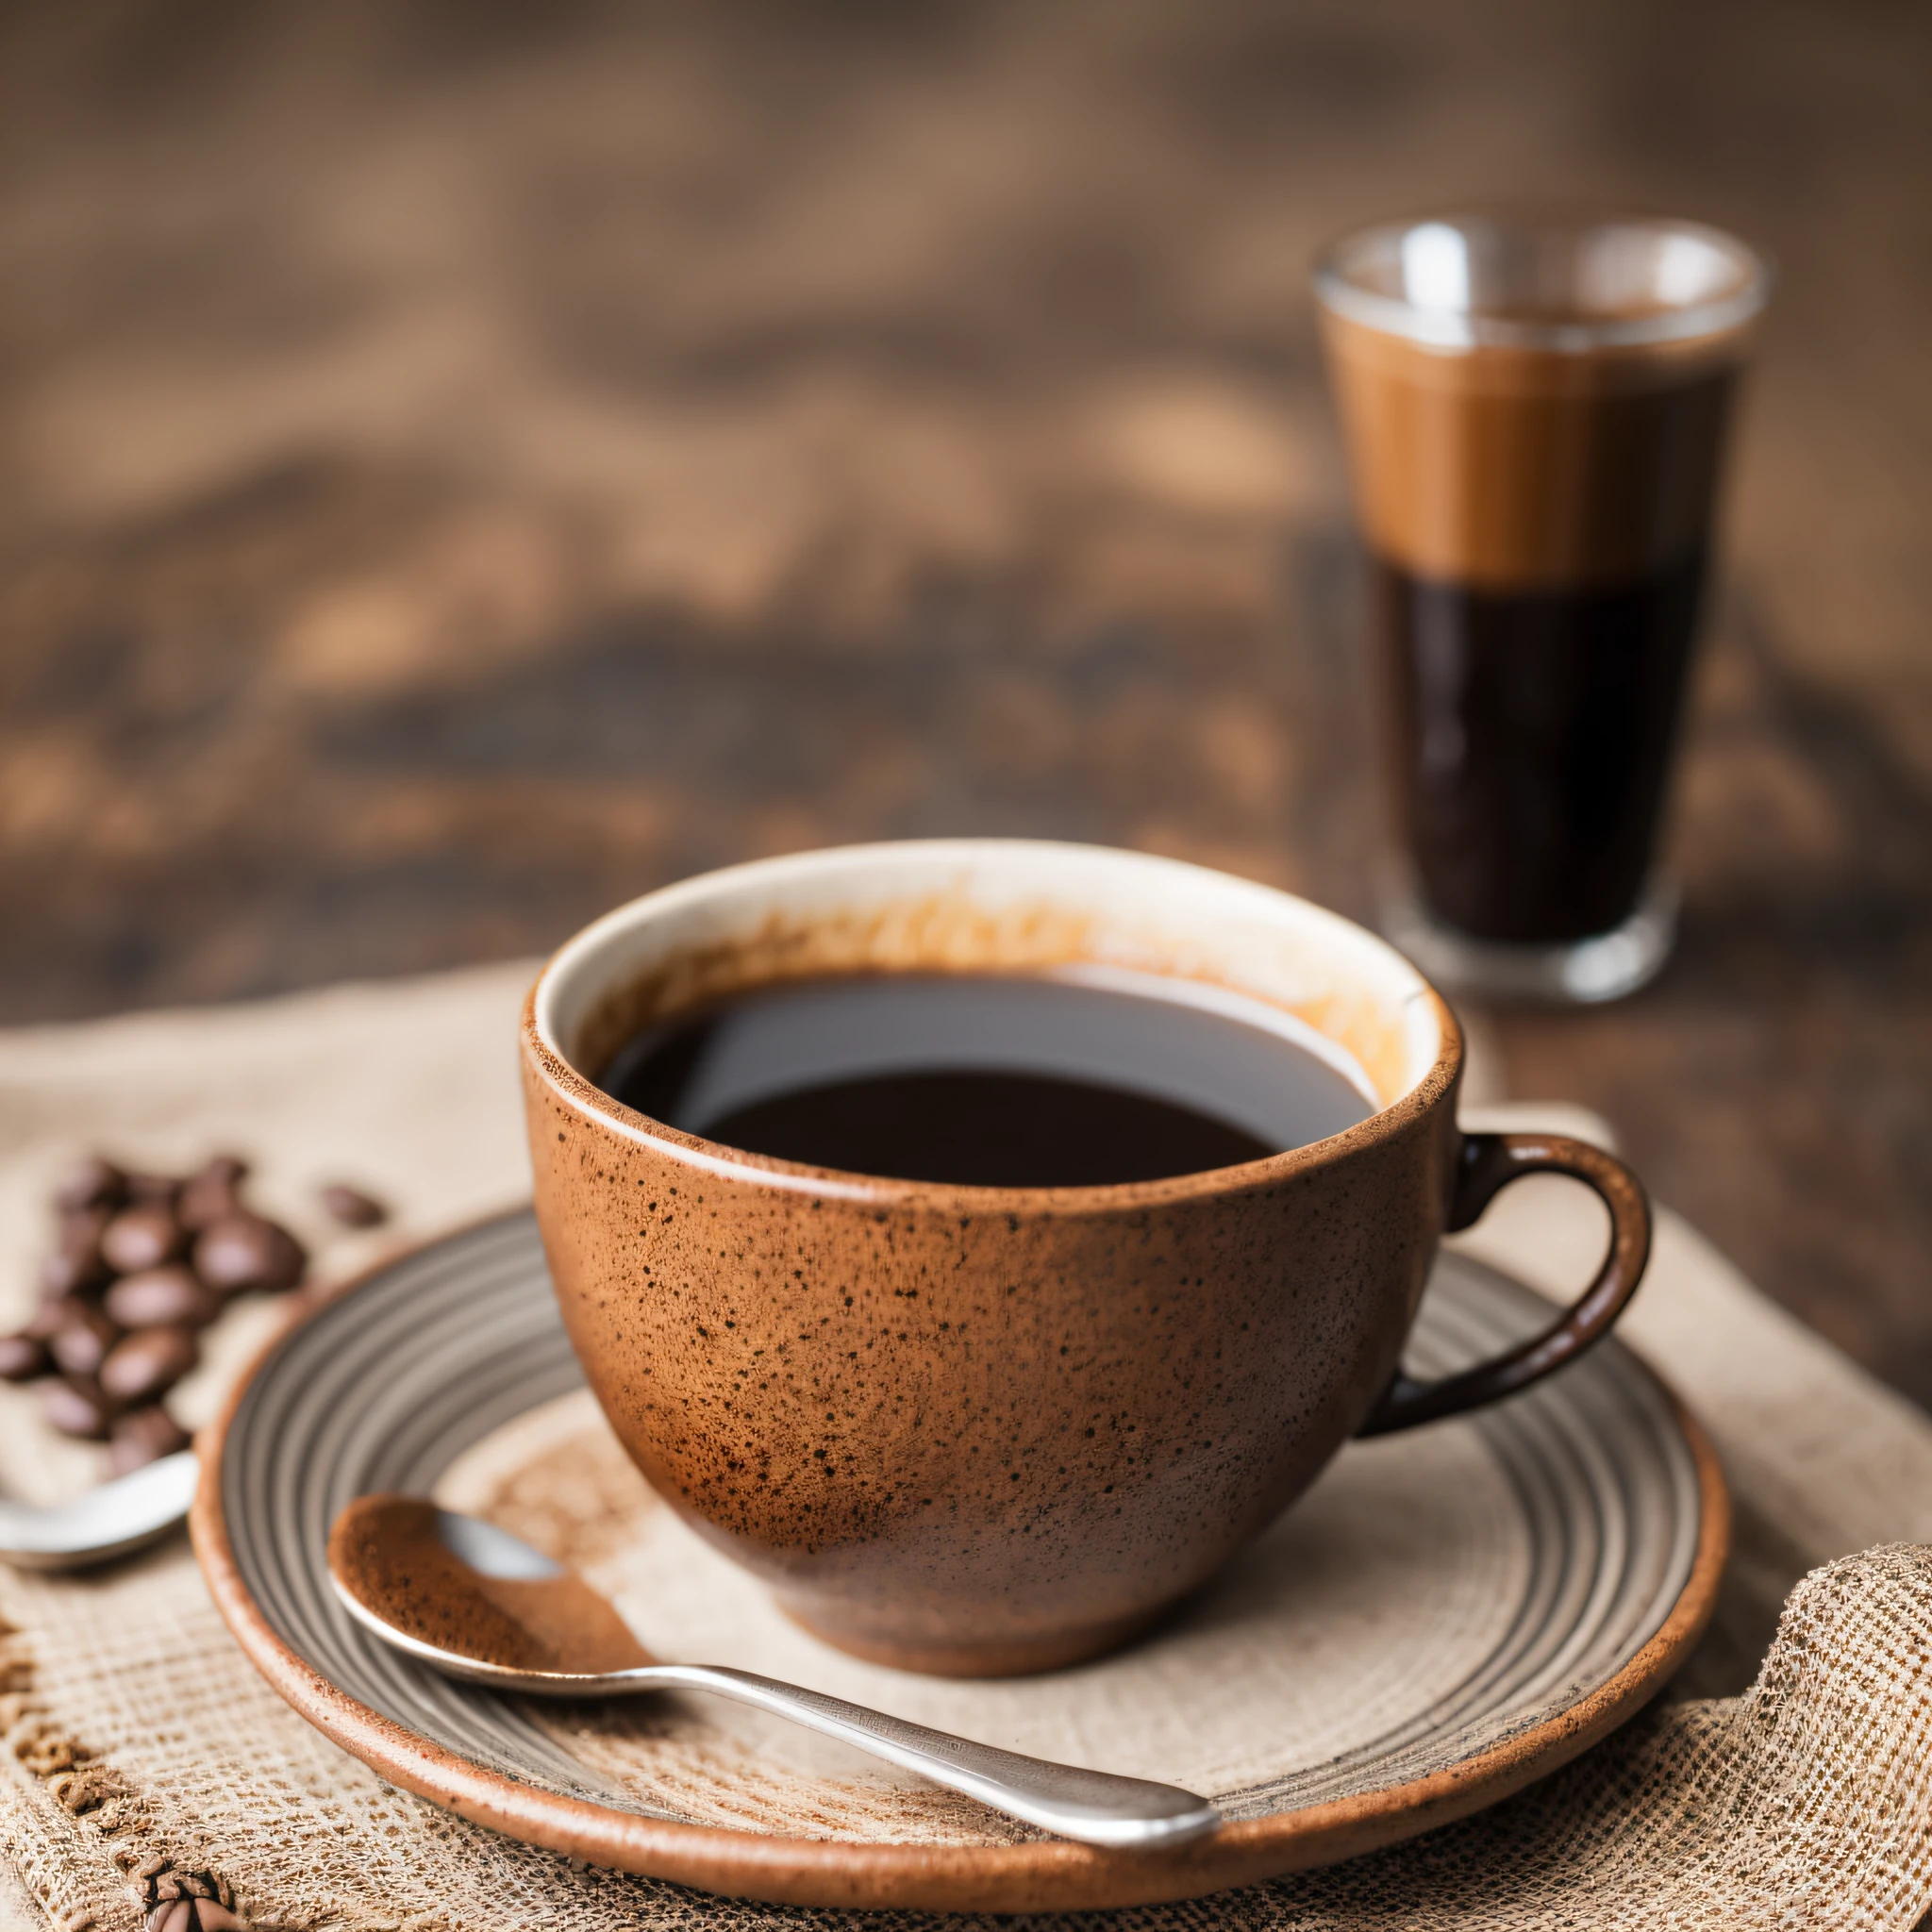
(993,1080)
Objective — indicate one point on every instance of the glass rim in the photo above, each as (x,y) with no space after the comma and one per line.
(1451,329)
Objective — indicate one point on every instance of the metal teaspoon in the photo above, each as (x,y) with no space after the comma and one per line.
(107,1520)
(474,1602)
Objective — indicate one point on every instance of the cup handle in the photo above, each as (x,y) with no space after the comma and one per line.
(1487,1164)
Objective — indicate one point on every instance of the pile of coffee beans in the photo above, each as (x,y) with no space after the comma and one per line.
(141,1263)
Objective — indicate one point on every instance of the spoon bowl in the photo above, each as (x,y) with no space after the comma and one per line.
(107,1520)
(474,1602)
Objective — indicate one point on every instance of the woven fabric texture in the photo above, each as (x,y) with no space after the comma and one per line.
(1782,1787)
(141,1740)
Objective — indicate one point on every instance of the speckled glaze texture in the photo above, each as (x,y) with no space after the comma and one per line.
(970,1430)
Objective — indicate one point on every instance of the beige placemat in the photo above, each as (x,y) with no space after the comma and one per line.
(139,1742)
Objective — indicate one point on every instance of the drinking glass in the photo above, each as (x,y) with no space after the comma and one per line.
(1535,409)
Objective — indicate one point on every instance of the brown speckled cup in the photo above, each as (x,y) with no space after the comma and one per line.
(979,1430)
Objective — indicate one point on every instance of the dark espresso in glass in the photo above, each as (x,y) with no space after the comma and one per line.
(1535,411)
(989,1080)
(1529,735)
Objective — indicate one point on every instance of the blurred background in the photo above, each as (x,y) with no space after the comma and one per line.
(464,464)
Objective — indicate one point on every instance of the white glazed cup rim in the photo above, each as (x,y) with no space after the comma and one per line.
(1014,904)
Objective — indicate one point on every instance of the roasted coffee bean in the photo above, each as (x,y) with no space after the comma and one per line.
(78,1405)
(162,1298)
(138,1238)
(245,1252)
(75,1262)
(66,1273)
(143,1365)
(143,1435)
(351,1206)
(210,1195)
(82,1227)
(153,1189)
(173,1915)
(54,1313)
(58,1275)
(204,1202)
(81,1344)
(95,1183)
(211,1915)
(22,1357)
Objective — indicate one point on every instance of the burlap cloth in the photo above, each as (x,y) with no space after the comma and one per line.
(1786,1781)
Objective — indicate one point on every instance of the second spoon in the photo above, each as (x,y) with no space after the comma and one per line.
(477,1603)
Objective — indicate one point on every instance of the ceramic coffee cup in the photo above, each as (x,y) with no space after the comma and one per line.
(986,1431)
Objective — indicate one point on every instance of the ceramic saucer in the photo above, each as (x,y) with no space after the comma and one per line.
(1448,1614)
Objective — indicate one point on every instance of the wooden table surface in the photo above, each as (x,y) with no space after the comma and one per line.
(463,465)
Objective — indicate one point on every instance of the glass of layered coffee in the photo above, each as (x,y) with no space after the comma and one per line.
(1535,409)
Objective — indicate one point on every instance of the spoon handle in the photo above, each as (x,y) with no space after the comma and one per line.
(1093,1807)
